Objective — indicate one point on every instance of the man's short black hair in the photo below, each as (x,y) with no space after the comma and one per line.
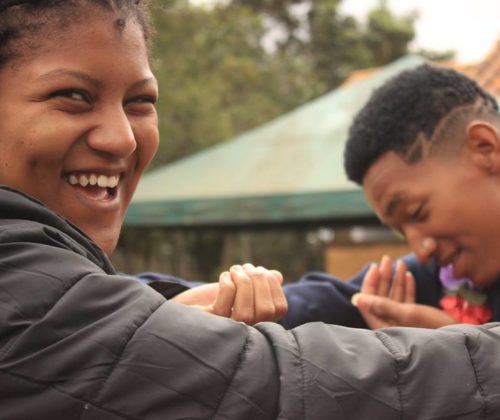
(410,104)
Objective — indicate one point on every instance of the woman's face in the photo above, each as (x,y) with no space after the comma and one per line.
(78,123)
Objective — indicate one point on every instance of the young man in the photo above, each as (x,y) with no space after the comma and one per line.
(423,113)
(426,150)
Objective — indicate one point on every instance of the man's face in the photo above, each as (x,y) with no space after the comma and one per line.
(446,209)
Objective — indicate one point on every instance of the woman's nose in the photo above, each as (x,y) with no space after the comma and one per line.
(113,135)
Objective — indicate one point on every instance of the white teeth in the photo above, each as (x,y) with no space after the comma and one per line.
(84,181)
(113,181)
(102,181)
(93,179)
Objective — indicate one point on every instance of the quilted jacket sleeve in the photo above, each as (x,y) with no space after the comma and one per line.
(79,343)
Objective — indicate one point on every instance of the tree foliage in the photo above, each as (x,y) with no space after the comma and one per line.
(337,43)
(218,77)
(216,80)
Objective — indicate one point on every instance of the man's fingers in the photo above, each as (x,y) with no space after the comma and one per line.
(378,306)
(398,288)
(277,274)
(278,295)
(385,270)
(410,291)
(244,293)
(371,320)
(243,309)
(223,304)
(264,309)
(370,281)
(388,312)
(364,304)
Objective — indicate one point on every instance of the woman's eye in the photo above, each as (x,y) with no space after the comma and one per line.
(141,105)
(79,96)
(145,100)
(72,94)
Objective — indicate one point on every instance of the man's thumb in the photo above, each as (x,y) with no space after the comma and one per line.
(376,305)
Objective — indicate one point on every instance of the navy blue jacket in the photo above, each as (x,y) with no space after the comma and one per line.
(319,296)
(322,297)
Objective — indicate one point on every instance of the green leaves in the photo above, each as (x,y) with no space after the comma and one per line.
(217,79)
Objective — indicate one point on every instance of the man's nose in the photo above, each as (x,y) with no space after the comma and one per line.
(423,245)
(113,135)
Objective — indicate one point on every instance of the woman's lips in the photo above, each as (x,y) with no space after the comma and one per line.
(95,192)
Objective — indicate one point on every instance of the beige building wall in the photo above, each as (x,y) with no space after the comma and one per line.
(345,261)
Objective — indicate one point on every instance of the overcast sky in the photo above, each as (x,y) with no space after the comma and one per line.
(470,27)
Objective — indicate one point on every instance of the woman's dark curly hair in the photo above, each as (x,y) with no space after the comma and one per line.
(21,21)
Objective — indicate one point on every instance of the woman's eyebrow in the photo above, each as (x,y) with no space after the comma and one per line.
(144,82)
(57,73)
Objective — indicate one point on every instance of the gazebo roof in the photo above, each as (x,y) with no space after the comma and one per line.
(288,170)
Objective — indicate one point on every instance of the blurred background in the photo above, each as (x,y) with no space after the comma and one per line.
(256,101)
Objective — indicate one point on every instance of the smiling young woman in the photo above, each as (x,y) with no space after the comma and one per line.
(79,341)
(79,122)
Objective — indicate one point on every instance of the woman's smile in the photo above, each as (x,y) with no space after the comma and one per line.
(95,186)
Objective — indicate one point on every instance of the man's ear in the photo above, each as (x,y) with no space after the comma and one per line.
(483,142)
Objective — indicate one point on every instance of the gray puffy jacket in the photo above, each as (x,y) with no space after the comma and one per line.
(78,341)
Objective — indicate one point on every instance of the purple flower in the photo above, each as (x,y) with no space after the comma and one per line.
(451,283)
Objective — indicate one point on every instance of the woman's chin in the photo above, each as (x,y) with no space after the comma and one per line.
(107,239)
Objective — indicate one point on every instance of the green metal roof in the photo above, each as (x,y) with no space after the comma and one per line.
(287,170)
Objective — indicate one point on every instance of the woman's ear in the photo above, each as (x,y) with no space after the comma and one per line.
(483,142)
